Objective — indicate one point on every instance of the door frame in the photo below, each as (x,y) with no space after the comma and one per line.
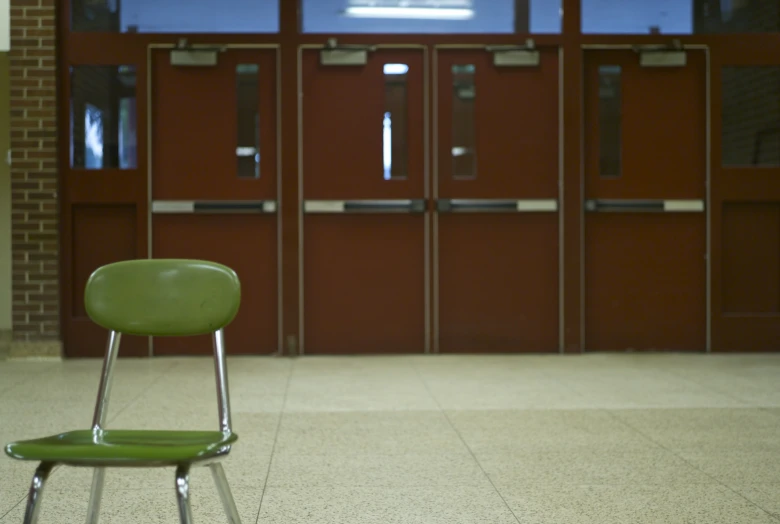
(426,181)
(150,50)
(707,185)
(435,183)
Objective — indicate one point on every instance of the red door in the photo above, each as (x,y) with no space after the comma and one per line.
(364,226)
(645,190)
(214,180)
(497,227)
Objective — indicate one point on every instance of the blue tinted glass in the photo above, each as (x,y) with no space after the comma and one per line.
(93,142)
(431,16)
(103,117)
(176,16)
(681,17)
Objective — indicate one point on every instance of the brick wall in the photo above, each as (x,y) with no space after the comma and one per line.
(34,171)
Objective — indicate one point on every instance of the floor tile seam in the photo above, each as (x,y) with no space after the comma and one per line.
(693,465)
(4,515)
(465,444)
(280,417)
(365,486)
(498,480)
(24,497)
(148,387)
(773,412)
(9,388)
(616,417)
(709,387)
(612,415)
(112,418)
(33,376)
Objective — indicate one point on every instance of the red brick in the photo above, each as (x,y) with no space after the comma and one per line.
(38,13)
(36,186)
(24,42)
(46,133)
(30,308)
(22,165)
(21,22)
(46,53)
(47,32)
(38,153)
(26,82)
(24,123)
(39,72)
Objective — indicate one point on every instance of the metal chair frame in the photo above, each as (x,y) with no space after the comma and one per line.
(182,482)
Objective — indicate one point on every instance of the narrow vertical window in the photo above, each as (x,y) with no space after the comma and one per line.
(102,117)
(464,142)
(248,121)
(610,121)
(395,125)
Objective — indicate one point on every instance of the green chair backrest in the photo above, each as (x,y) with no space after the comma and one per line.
(163,297)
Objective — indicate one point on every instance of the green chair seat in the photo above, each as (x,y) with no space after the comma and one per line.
(126,448)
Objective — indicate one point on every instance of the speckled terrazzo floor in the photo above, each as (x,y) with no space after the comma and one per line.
(597,439)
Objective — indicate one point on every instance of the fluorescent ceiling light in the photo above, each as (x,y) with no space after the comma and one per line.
(410,13)
(396,69)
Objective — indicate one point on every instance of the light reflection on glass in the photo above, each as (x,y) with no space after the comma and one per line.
(394,122)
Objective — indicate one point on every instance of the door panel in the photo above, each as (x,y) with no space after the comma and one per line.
(498,283)
(364,282)
(344,109)
(510,119)
(645,282)
(214,184)
(659,132)
(364,253)
(645,190)
(247,244)
(200,119)
(496,234)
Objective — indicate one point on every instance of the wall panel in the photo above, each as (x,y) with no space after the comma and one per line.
(751,258)
(101,234)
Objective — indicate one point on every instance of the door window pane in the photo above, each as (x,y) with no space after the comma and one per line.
(175,16)
(610,121)
(248,121)
(681,17)
(432,16)
(464,140)
(751,116)
(103,117)
(395,157)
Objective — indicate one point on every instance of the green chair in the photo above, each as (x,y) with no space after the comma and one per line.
(149,298)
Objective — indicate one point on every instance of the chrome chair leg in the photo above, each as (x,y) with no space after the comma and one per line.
(183,494)
(96,495)
(218,473)
(36,493)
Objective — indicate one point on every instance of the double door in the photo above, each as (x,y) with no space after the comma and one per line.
(430,200)
(430,204)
